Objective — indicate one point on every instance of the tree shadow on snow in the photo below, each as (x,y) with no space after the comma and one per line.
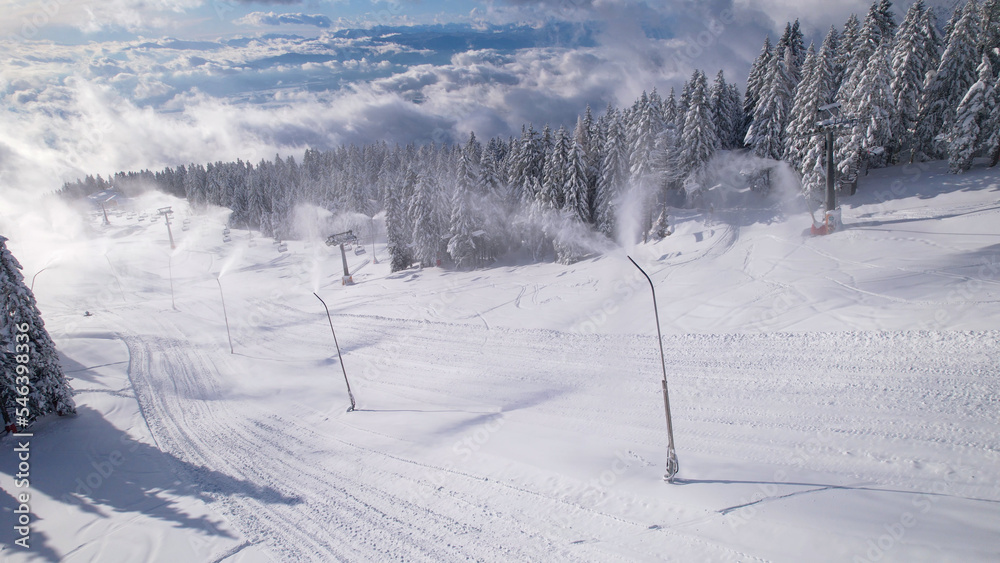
(87,464)
(38,542)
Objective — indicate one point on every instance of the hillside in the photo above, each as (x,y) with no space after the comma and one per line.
(834,398)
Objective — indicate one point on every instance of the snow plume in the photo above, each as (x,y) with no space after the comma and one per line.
(725,182)
(312,222)
(351,221)
(628,222)
(312,225)
(572,239)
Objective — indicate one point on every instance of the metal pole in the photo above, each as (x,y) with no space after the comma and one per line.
(225,316)
(32,288)
(672,465)
(343,256)
(831,172)
(337,344)
(166,219)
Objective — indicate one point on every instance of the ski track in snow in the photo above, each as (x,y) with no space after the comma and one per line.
(820,438)
(326,507)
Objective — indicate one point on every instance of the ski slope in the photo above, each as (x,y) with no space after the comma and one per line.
(834,398)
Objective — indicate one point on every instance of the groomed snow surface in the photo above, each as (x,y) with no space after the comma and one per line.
(834,398)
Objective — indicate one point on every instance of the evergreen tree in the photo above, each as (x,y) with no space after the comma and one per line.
(756,82)
(766,135)
(932,41)
(909,66)
(872,105)
(699,140)
(809,96)
(990,22)
(553,192)
(577,186)
(399,230)
(726,117)
(966,139)
(464,219)
(945,87)
(613,174)
(48,389)
(462,244)
(423,212)
(848,41)
(991,126)
(793,44)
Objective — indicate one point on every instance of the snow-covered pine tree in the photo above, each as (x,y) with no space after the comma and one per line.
(48,389)
(577,182)
(872,105)
(909,67)
(757,80)
(670,111)
(809,96)
(991,126)
(932,39)
(642,170)
(699,140)
(461,244)
(669,160)
(491,205)
(885,19)
(614,174)
(766,135)
(723,115)
(427,229)
(793,44)
(965,140)
(845,54)
(398,227)
(945,87)
(553,191)
(464,220)
(990,41)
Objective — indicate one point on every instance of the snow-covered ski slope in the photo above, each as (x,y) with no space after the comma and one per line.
(834,398)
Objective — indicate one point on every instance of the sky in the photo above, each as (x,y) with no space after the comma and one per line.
(93,87)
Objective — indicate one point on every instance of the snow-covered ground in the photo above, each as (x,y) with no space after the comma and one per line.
(834,398)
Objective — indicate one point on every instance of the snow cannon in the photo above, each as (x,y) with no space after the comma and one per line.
(340,357)
(672,465)
(831,223)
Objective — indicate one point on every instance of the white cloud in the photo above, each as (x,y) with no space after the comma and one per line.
(261,19)
(25,20)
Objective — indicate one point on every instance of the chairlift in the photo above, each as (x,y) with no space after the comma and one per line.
(226,238)
(225,231)
(359,250)
(282,247)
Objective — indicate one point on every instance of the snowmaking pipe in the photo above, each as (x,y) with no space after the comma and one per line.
(672,466)
(339,356)
(32,288)
(225,315)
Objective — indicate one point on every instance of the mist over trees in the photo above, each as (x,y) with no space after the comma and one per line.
(916,91)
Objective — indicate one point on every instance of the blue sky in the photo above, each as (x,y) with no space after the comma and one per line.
(90,86)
